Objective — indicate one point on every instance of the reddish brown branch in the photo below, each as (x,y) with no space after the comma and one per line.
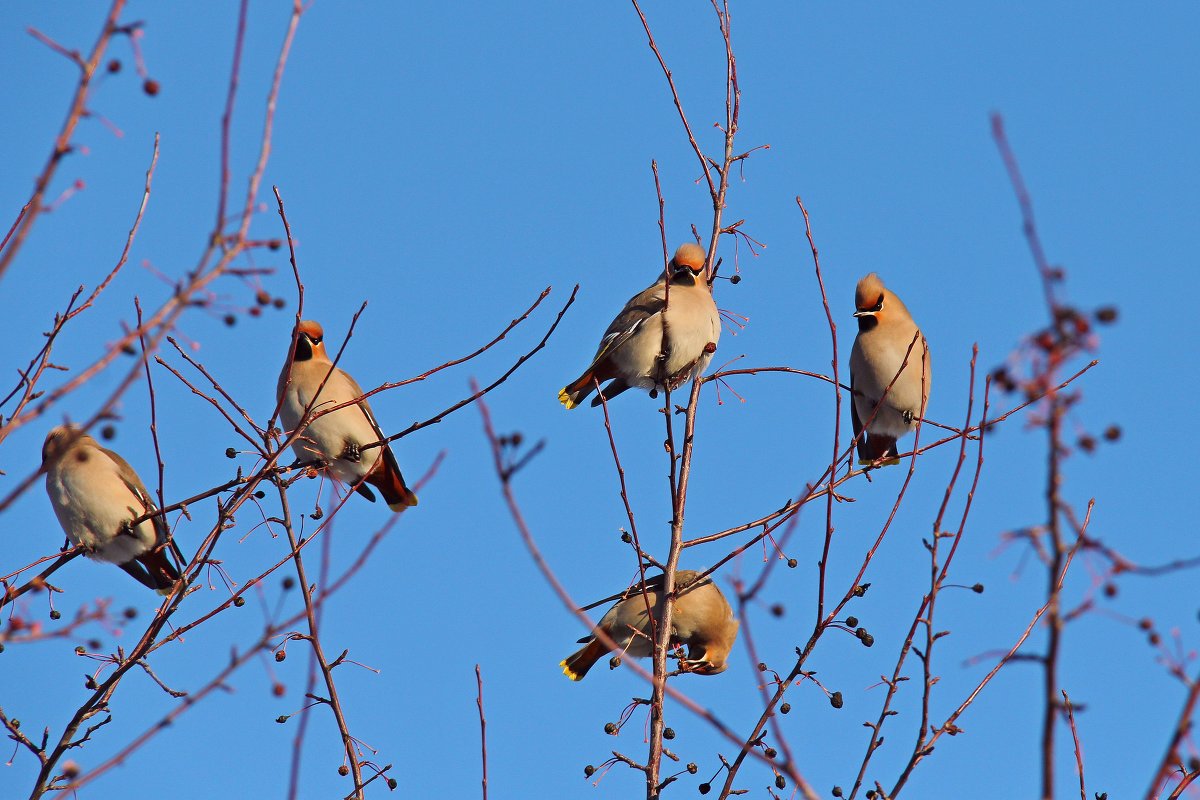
(62,143)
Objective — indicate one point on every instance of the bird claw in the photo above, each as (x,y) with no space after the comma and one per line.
(907,416)
(352,453)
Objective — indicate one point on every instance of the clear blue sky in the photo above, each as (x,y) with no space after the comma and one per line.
(446,163)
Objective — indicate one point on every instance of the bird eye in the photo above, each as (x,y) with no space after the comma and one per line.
(878,306)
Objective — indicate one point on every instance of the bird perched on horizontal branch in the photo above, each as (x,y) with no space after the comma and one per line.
(887,336)
(631,351)
(96,495)
(701,619)
(314,385)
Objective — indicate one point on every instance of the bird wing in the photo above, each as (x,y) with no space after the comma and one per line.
(389,457)
(132,482)
(854,410)
(365,406)
(641,307)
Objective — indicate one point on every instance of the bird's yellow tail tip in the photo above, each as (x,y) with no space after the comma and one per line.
(564,397)
(866,462)
(409,501)
(570,673)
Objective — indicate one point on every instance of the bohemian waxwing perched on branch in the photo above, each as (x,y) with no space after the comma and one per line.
(336,437)
(702,620)
(885,332)
(96,494)
(629,354)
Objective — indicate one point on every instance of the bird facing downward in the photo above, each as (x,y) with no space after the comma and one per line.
(337,437)
(885,333)
(630,351)
(96,495)
(702,620)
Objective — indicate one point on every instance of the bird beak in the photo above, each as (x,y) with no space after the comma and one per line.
(864,313)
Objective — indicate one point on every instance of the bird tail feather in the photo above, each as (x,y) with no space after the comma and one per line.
(577,665)
(574,393)
(386,477)
(875,446)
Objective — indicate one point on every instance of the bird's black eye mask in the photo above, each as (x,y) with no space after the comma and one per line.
(877,307)
(304,346)
(684,276)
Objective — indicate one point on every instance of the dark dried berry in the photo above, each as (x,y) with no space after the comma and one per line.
(780,782)
(113,66)
(280,655)
(852,622)
(1106,315)
(279,302)
(868,640)
(614,662)
(1086,443)
(668,733)
(785,708)
(705,788)
(762,667)
(837,791)
(130,613)
(735,279)
(777,610)
(792,563)
(977,588)
(1112,433)
(1145,624)
(835,700)
(770,752)
(108,433)
(150,87)
(282,718)
(262,298)
(1110,590)
(392,784)
(239,601)
(55,614)
(254,311)
(230,452)
(610,728)
(343,770)
(278,689)
(588,771)
(230,320)
(626,538)
(289,583)
(692,768)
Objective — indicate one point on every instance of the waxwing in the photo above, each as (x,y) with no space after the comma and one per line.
(702,620)
(337,437)
(885,332)
(96,495)
(628,354)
